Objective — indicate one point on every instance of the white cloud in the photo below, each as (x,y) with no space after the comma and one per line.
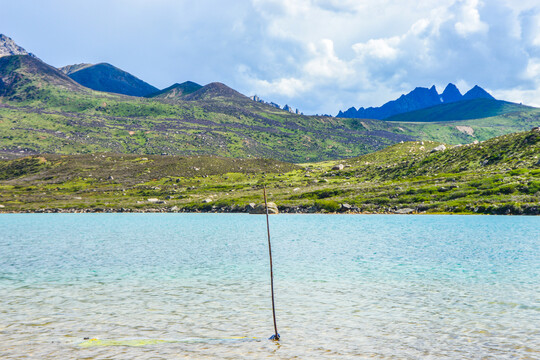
(324,62)
(529,97)
(465,42)
(470,19)
(378,48)
(533,70)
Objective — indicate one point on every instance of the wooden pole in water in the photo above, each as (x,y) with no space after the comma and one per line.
(276,335)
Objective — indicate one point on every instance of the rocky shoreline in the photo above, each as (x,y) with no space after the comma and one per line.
(274,209)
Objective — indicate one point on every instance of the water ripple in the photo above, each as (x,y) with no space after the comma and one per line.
(196,287)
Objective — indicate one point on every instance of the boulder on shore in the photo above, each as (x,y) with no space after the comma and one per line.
(404,211)
(260,208)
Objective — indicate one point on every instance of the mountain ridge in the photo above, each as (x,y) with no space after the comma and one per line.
(213,91)
(42,110)
(419,98)
(70,69)
(109,78)
(460,110)
(176,90)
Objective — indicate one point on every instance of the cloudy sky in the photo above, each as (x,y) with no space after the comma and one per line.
(317,55)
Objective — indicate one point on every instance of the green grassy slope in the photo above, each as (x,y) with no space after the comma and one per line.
(214,120)
(461,110)
(499,176)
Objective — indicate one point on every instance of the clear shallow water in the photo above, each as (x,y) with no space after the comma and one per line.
(347,286)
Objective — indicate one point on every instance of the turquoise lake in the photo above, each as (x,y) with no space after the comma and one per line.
(347,286)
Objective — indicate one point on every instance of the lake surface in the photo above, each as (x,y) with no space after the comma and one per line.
(347,286)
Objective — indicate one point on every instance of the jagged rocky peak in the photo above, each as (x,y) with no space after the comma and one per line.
(8,47)
(451,94)
(424,95)
(417,99)
(477,93)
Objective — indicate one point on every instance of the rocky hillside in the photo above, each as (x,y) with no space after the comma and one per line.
(24,77)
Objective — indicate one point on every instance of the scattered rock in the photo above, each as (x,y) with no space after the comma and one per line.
(110,178)
(438,148)
(338,167)
(207,201)
(536,129)
(2,206)
(465,129)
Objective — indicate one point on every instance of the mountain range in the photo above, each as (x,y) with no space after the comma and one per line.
(419,98)
(45,110)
